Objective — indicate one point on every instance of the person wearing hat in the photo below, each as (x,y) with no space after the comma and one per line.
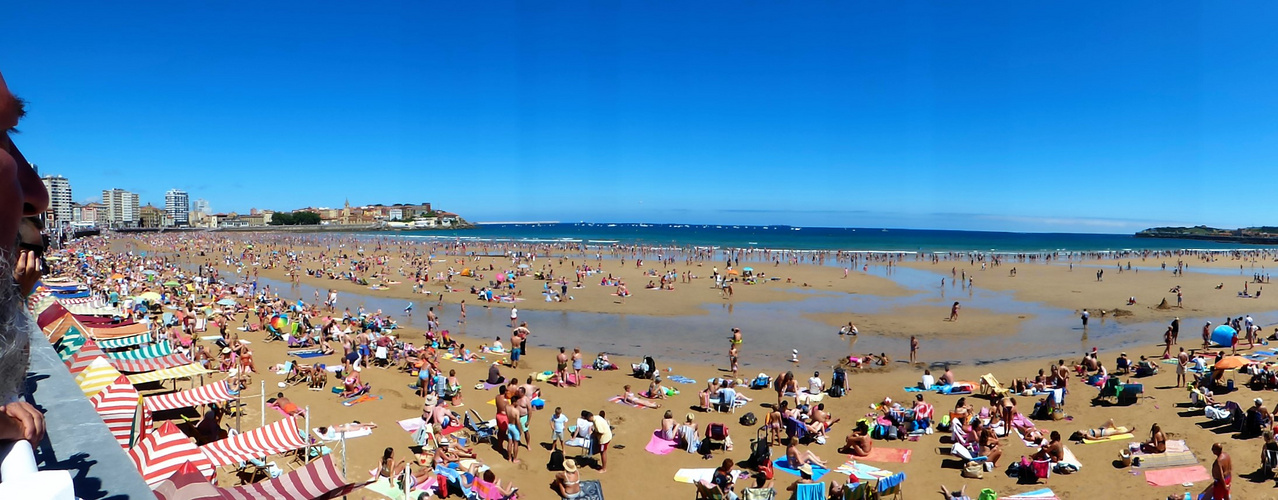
(568,482)
(805,477)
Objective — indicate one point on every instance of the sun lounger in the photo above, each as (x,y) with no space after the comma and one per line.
(991,386)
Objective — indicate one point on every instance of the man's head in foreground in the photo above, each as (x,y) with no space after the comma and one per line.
(21,195)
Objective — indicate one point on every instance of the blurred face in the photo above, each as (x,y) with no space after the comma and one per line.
(21,192)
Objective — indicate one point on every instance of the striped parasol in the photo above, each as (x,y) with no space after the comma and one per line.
(41,301)
(188,370)
(164,451)
(85,356)
(216,392)
(150,365)
(123,342)
(279,437)
(144,352)
(97,376)
(318,480)
(117,404)
(187,484)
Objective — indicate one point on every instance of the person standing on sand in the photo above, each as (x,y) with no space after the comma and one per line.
(561,367)
(1175,330)
(1207,334)
(914,347)
(954,310)
(1182,364)
(1222,474)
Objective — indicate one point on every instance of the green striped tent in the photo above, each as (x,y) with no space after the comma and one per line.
(144,352)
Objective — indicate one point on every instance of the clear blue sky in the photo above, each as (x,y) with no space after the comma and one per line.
(1023,116)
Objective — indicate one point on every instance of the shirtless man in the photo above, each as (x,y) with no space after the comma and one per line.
(503,421)
(1222,474)
(797,458)
(858,443)
(1182,365)
(514,436)
(523,403)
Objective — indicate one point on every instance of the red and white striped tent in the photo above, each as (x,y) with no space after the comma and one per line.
(163,451)
(280,437)
(84,357)
(117,404)
(318,480)
(216,392)
(151,364)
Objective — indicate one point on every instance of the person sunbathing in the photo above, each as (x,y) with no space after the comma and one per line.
(631,398)
(351,427)
(352,385)
(1053,451)
(446,453)
(655,389)
(286,406)
(858,443)
(1106,430)
(487,481)
(1157,441)
(795,458)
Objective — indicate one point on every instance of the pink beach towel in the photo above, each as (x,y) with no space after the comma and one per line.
(659,445)
(882,454)
(1178,475)
(621,401)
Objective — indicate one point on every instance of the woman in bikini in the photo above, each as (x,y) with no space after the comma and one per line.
(1109,429)
(1157,441)
(568,482)
(631,398)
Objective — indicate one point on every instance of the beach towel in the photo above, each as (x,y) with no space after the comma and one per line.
(1070,459)
(1167,460)
(863,472)
(412,424)
(1176,445)
(621,401)
(1179,475)
(681,379)
(693,475)
(780,464)
(1106,439)
(658,445)
(306,354)
(1043,494)
(885,454)
(813,491)
(336,436)
(591,490)
(364,398)
(1028,443)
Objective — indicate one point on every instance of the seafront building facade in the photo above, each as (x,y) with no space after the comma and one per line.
(177,206)
(61,210)
(121,208)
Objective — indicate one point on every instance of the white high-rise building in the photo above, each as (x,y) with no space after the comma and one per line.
(121,207)
(202,206)
(177,205)
(59,199)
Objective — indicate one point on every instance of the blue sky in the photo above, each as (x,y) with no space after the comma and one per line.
(1022,116)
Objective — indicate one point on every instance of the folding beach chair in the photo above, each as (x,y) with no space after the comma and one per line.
(889,487)
(990,386)
(716,434)
(272,334)
(810,491)
(707,491)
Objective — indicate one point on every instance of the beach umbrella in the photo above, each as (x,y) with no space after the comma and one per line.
(117,276)
(748,269)
(172,283)
(1231,362)
(501,277)
(524,266)
(1223,335)
(226,302)
(279,323)
(148,296)
(733,272)
(149,272)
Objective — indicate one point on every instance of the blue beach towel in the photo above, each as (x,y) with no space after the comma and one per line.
(814,491)
(306,354)
(681,379)
(817,472)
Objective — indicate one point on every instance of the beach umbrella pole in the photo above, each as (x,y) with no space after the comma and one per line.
(262,408)
(308,434)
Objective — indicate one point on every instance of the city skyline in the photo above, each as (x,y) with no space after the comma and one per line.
(995,116)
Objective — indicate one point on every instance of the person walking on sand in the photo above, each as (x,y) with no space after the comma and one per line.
(954,310)
(914,348)
(1084,316)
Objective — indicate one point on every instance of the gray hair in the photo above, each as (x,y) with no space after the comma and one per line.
(16,329)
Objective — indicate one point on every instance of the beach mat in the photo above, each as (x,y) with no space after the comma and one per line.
(412,424)
(1166,460)
(336,436)
(1043,494)
(591,490)
(1106,439)
(693,475)
(306,354)
(621,401)
(658,445)
(884,454)
(863,472)
(817,472)
(1177,476)
(360,399)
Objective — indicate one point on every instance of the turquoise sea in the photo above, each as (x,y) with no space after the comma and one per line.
(814,238)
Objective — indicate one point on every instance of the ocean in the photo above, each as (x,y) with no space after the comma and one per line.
(815,238)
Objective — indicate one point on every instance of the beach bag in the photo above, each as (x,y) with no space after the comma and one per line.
(1040,468)
(556,462)
(749,419)
(760,382)
(973,470)
(987,494)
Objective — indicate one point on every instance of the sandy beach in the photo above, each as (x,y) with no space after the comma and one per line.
(636,473)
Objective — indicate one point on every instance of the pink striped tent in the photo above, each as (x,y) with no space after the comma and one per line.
(117,404)
(318,480)
(279,437)
(163,451)
(84,357)
(187,484)
(216,392)
(150,364)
